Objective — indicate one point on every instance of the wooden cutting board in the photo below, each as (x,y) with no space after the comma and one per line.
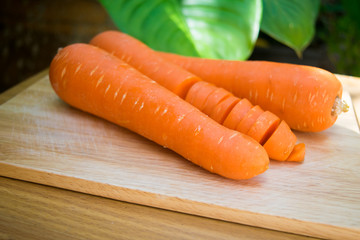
(45,141)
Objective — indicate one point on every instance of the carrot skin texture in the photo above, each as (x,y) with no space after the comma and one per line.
(303,96)
(146,60)
(96,82)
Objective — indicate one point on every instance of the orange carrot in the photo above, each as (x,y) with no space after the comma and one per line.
(237,113)
(298,153)
(249,119)
(222,109)
(281,143)
(199,93)
(214,99)
(136,53)
(264,127)
(96,82)
(307,98)
(217,103)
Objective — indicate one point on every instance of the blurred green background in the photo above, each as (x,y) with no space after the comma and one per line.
(33,30)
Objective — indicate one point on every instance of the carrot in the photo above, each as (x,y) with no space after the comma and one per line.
(222,109)
(215,98)
(96,82)
(215,102)
(298,153)
(249,119)
(237,113)
(136,53)
(307,98)
(281,143)
(199,93)
(264,126)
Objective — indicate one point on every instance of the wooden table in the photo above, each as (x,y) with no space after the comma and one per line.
(33,211)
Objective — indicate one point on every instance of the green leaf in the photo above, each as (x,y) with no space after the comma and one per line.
(290,22)
(207,28)
(157,23)
(223,29)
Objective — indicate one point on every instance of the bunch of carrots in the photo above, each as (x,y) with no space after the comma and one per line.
(229,117)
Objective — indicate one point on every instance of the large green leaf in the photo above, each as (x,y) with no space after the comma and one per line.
(223,29)
(157,23)
(207,28)
(291,22)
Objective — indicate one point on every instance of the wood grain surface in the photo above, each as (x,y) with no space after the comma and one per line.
(45,141)
(33,211)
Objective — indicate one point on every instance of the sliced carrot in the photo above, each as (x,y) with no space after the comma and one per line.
(249,119)
(281,143)
(263,127)
(216,102)
(214,99)
(96,82)
(222,110)
(307,98)
(237,113)
(199,93)
(297,154)
(142,58)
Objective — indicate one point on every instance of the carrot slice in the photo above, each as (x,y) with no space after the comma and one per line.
(249,119)
(199,96)
(214,99)
(96,82)
(297,154)
(141,57)
(237,113)
(222,110)
(263,127)
(281,142)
